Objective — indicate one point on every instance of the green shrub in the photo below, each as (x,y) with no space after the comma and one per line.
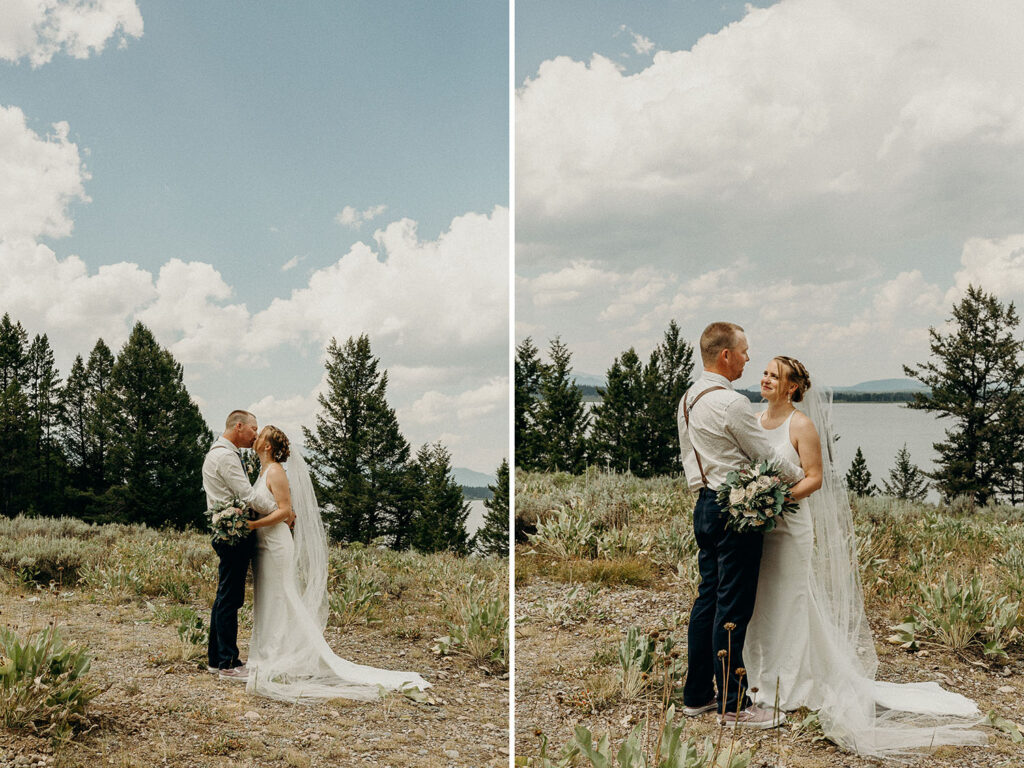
(354,597)
(42,685)
(479,627)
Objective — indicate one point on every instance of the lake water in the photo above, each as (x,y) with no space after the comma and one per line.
(475,521)
(881,429)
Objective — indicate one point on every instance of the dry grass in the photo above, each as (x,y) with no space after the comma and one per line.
(159,709)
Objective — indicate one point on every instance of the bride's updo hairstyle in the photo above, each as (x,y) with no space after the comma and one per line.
(794,372)
(280,447)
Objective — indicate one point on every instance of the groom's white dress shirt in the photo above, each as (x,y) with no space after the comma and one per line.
(223,477)
(724,430)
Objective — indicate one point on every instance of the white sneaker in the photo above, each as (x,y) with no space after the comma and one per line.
(238,674)
(212,670)
(753,717)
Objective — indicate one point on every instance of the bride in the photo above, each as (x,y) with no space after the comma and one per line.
(809,643)
(288,656)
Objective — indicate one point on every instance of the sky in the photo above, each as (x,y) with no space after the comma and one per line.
(829,175)
(251,180)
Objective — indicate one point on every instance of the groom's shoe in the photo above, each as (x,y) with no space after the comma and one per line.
(694,711)
(753,717)
(238,674)
(212,670)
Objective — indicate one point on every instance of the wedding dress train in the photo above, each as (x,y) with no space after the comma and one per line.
(809,643)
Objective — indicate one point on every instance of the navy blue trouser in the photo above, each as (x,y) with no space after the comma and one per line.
(222,651)
(729,564)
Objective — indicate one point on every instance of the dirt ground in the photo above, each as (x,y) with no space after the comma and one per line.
(561,659)
(157,710)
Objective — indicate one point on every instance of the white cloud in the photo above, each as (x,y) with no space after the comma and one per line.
(641,45)
(189,307)
(353,218)
(39,29)
(422,297)
(435,407)
(804,127)
(289,413)
(62,298)
(40,176)
(995,265)
(292,263)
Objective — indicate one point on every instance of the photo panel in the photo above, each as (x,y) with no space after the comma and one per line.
(839,184)
(254,383)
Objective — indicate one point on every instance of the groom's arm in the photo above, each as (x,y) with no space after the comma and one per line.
(238,484)
(741,424)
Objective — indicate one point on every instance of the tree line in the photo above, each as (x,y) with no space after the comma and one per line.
(974,376)
(121,440)
(632,429)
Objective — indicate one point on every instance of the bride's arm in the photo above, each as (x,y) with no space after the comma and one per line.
(277,482)
(808,446)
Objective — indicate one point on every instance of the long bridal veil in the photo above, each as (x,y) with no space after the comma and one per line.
(866,716)
(295,663)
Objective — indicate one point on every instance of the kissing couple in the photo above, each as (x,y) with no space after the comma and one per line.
(288,656)
(778,622)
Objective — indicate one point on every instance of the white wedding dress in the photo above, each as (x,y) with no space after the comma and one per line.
(288,656)
(808,642)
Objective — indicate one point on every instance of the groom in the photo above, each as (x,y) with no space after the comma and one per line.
(718,432)
(225,478)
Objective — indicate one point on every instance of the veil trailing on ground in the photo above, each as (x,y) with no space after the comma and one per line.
(289,658)
(865,716)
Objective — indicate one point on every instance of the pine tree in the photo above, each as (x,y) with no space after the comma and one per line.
(98,371)
(858,478)
(667,377)
(906,480)
(440,522)
(157,458)
(44,399)
(15,442)
(561,416)
(75,423)
(975,376)
(492,538)
(619,439)
(528,437)
(358,456)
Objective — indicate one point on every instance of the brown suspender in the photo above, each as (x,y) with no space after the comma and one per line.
(686,417)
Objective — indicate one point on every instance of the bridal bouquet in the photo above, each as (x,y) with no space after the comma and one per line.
(229,521)
(755,497)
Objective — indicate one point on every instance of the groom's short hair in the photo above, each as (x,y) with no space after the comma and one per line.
(716,337)
(237,417)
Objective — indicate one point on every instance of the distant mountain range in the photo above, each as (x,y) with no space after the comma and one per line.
(885,385)
(472,479)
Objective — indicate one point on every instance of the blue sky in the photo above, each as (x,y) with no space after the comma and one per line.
(830,175)
(296,171)
(581,28)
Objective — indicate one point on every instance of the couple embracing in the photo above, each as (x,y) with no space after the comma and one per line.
(288,656)
(778,622)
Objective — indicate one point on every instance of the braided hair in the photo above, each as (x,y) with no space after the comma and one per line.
(280,447)
(792,371)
